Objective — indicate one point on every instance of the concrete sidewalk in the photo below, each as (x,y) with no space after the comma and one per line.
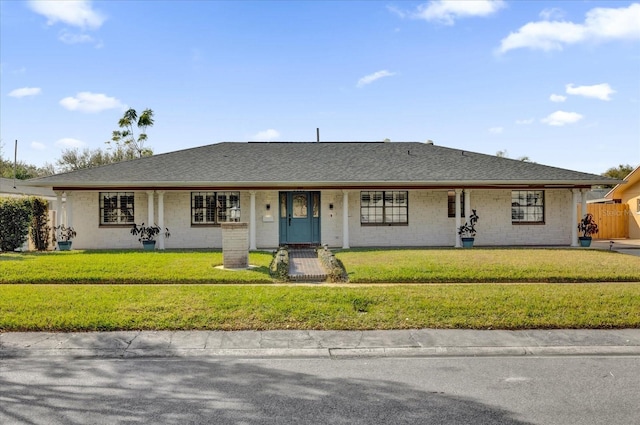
(321,344)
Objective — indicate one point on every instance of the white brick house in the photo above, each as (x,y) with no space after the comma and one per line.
(344,194)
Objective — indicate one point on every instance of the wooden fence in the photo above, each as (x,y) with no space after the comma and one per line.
(612,220)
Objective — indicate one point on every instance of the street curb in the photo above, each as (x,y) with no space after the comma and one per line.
(329,353)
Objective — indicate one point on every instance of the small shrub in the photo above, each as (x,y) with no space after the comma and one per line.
(279,267)
(40,229)
(335,269)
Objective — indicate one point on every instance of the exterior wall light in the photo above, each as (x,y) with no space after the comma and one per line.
(235,213)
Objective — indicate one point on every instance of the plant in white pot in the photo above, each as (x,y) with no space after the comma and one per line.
(588,227)
(147,235)
(64,236)
(467,231)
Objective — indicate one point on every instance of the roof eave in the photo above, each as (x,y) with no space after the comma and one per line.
(79,185)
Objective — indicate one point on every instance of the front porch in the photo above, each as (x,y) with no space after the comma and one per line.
(340,218)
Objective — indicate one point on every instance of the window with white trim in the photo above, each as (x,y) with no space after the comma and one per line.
(116,208)
(390,208)
(211,208)
(527,206)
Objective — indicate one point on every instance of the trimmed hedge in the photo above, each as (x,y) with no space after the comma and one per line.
(15,217)
(40,229)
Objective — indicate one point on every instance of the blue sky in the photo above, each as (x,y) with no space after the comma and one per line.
(556,81)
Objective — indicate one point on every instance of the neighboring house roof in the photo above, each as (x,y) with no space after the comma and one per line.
(7,188)
(632,179)
(320,164)
(595,196)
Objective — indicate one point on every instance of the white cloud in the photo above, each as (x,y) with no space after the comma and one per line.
(266,135)
(496,130)
(90,102)
(557,98)
(368,79)
(599,91)
(68,142)
(601,24)
(25,91)
(447,11)
(525,121)
(70,38)
(552,13)
(38,146)
(77,13)
(560,118)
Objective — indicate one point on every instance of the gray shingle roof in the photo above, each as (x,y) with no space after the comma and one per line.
(6,187)
(325,163)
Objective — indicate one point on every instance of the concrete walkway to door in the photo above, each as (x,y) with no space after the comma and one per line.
(304,266)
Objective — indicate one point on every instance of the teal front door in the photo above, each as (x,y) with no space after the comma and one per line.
(299,218)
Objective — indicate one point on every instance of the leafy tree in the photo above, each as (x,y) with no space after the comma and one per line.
(619,172)
(23,170)
(126,140)
(74,159)
(505,154)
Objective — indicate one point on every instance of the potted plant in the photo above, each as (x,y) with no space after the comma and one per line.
(588,227)
(64,235)
(467,231)
(147,235)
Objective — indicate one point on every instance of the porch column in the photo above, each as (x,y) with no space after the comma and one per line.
(574,217)
(583,192)
(58,209)
(345,219)
(252,221)
(150,214)
(69,210)
(458,221)
(161,218)
(467,204)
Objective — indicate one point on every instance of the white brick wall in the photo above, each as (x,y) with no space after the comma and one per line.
(428,221)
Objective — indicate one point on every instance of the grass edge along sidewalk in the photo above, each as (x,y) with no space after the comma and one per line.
(68,308)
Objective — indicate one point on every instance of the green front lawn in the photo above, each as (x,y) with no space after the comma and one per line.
(234,307)
(489,265)
(128,267)
(363,266)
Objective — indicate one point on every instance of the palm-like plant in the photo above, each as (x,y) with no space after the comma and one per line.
(127,137)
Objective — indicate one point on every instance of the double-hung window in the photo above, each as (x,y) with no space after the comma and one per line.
(527,206)
(116,208)
(211,208)
(389,208)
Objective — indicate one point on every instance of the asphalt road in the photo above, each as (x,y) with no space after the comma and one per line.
(466,390)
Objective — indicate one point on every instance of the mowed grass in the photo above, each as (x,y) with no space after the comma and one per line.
(363,266)
(489,265)
(235,307)
(129,267)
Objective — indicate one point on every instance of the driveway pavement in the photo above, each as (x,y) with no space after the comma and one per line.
(624,246)
(328,344)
